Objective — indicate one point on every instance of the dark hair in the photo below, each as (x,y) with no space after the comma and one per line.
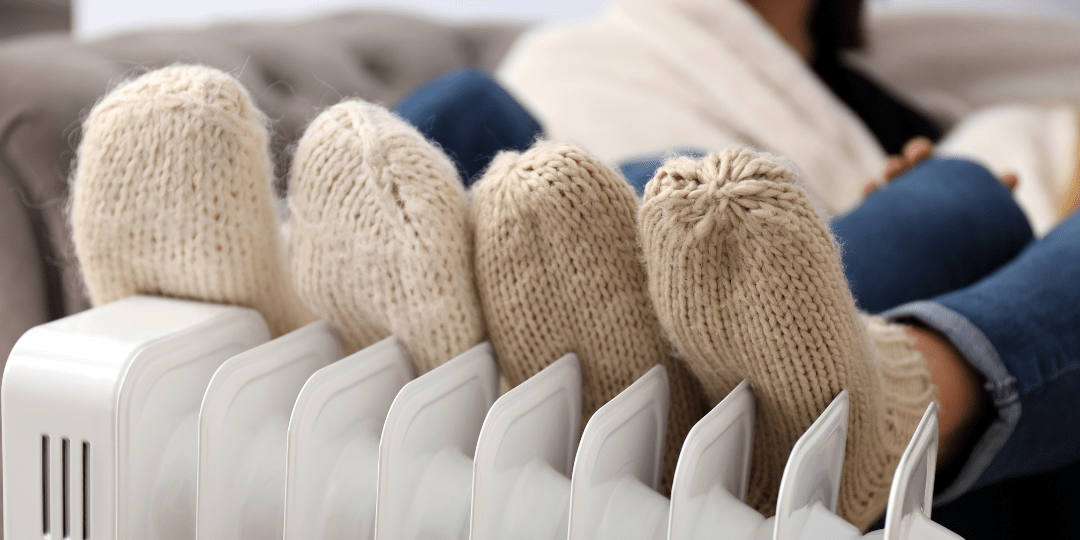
(836,26)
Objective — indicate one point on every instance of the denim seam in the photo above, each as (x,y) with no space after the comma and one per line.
(981,355)
(1057,375)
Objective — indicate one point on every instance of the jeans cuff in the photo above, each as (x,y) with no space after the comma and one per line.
(981,355)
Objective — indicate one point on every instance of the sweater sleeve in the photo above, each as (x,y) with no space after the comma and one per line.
(606,102)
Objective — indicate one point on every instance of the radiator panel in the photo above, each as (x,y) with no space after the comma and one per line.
(112,417)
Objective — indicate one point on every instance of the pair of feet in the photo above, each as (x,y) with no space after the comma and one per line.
(173,196)
(724,272)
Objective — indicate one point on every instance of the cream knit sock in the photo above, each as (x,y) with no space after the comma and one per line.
(558,269)
(747,283)
(172,197)
(379,235)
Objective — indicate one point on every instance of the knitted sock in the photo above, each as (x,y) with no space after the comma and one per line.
(747,283)
(379,235)
(172,196)
(559,271)
(1069,197)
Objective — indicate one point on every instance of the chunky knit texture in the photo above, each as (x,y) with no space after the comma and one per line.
(559,270)
(380,241)
(747,283)
(172,196)
(1069,199)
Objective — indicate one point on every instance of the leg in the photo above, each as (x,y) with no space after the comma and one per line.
(470,117)
(172,197)
(748,284)
(380,236)
(1020,329)
(940,227)
(559,271)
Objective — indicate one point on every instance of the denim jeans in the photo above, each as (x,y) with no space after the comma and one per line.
(471,117)
(1020,328)
(943,245)
(947,247)
(941,226)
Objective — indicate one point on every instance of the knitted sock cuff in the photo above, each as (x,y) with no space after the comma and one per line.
(906,381)
(907,389)
(1069,199)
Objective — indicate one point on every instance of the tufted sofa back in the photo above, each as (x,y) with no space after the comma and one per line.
(48,82)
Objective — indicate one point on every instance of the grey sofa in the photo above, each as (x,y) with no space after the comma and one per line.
(48,82)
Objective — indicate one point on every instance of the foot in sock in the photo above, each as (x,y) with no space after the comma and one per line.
(747,284)
(559,271)
(379,235)
(172,196)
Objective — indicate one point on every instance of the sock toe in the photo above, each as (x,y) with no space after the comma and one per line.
(172,196)
(380,240)
(555,250)
(747,284)
(559,271)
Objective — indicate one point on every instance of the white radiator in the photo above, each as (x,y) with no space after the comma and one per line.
(152,418)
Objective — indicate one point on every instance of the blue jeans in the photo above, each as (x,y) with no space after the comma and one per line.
(1019,327)
(944,245)
(471,117)
(942,226)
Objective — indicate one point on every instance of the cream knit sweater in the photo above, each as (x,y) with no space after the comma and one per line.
(649,75)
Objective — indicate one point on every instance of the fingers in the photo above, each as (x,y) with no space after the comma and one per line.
(895,166)
(1010,180)
(872,186)
(914,152)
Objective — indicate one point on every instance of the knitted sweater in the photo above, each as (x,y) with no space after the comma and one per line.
(649,75)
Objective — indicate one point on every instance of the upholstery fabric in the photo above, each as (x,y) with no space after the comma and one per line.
(292,70)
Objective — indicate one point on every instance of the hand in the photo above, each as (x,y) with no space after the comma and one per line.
(914,152)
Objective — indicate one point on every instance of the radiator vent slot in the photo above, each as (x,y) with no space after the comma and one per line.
(68,490)
(65,486)
(45,485)
(85,490)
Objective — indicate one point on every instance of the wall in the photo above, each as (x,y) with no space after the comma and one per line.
(1053,8)
(96,18)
